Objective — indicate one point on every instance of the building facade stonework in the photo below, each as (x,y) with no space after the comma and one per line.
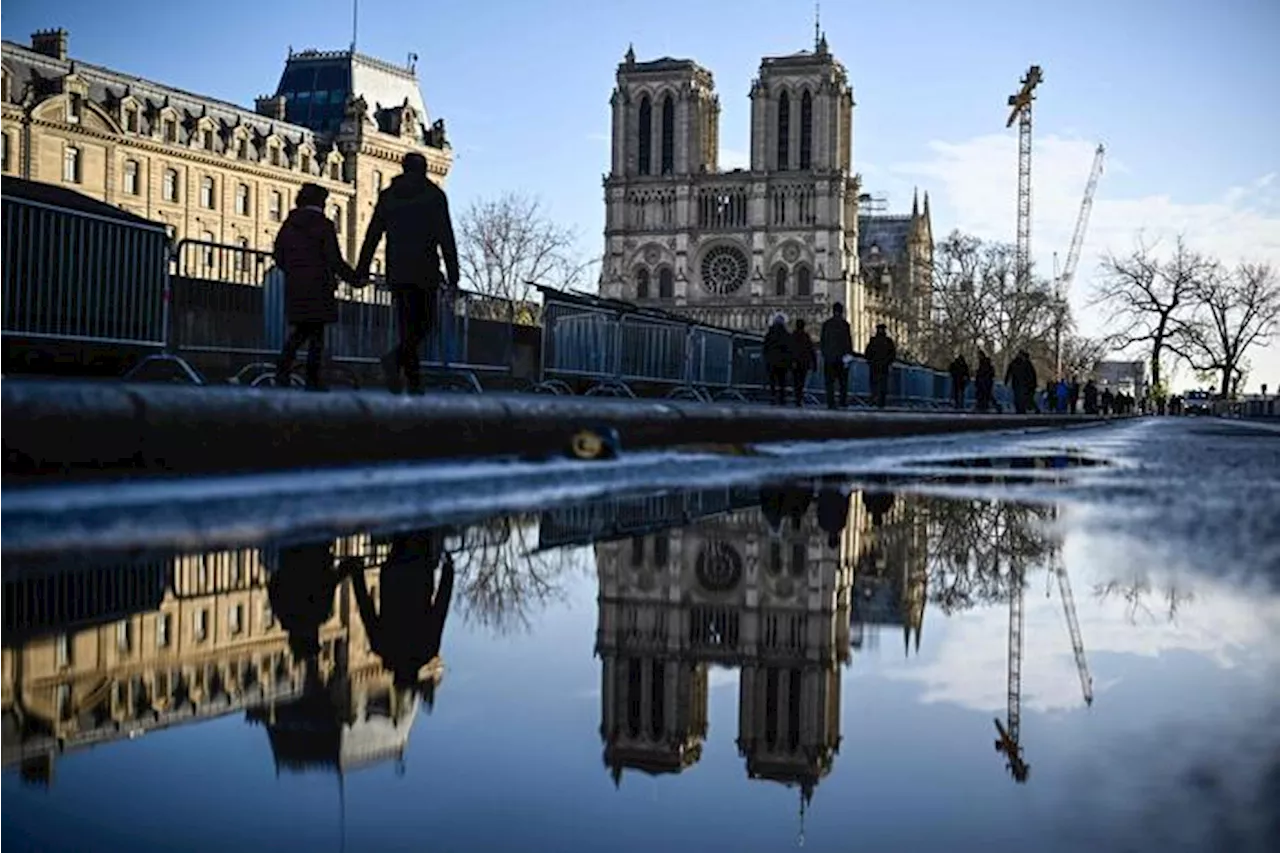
(208,169)
(731,248)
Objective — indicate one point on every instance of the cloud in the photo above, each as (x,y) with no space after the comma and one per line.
(1225,625)
(973,188)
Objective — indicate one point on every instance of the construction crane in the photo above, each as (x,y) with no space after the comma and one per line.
(1073,627)
(1021,111)
(1009,735)
(1063,282)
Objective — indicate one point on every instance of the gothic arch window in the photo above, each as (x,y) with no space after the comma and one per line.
(642,283)
(645,138)
(784,131)
(668,135)
(780,282)
(666,284)
(804,281)
(806,130)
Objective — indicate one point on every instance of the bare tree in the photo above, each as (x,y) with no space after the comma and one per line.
(1236,310)
(504,244)
(979,302)
(1149,299)
(1080,355)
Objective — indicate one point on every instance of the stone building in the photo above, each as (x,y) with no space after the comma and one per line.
(210,645)
(733,247)
(895,257)
(211,170)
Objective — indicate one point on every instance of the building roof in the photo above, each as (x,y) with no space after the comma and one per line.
(890,234)
(57,196)
(107,86)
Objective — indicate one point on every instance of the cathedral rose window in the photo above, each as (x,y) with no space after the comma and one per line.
(724,269)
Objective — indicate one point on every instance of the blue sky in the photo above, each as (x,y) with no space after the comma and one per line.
(1183,93)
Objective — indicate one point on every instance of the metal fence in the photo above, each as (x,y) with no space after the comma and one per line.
(230,301)
(607,347)
(79,277)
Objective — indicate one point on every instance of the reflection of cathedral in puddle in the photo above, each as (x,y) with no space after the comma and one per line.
(766,591)
(885,543)
(204,639)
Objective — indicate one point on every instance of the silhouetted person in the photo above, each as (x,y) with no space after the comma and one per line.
(879,504)
(1108,401)
(836,344)
(1061,394)
(1090,398)
(959,371)
(1073,396)
(301,594)
(777,358)
(414,214)
(795,502)
(1021,377)
(307,252)
(773,506)
(833,509)
(984,382)
(881,351)
(406,629)
(802,360)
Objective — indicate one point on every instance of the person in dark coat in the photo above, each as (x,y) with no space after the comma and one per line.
(959,371)
(301,591)
(1073,395)
(777,358)
(413,213)
(802,360)
(306,250)
(406,630)
(1108,401)
(836,344)
(984,382)
(833,509)
(881,351)
(1090,398)
(1021,377)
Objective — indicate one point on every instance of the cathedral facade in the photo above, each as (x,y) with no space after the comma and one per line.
(732,248)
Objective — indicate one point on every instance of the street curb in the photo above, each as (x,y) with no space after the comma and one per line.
(77,430)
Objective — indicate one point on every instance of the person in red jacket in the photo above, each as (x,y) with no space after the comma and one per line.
(306,250)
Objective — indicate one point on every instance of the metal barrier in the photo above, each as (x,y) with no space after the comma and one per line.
(229,301)
(75,276)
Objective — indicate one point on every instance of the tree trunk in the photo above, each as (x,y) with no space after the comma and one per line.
(1226,382)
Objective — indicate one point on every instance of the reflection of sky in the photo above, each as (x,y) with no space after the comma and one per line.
(511,757)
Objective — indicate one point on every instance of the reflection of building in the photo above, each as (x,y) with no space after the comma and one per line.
(208,169)
(884,544)
(723,591)
(212,646)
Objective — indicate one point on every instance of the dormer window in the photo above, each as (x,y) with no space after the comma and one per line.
(170,127)
(206,138)
(75,107)
(242,149)
(131,120)
(335,171)
(305,162)
(275,155)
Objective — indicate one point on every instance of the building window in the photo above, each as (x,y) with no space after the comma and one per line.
(242,149)
(242,200)
(806,130)
(666,285)
(162,630)
(169,188)
(206,139)
(275,155)
(804,281)
(268,618)
(275,206)
(668,135)
(202,581)
(335,170)
(206,192)
(170,130)
(75,106)
(62,648)
(131,177)
(304,162)
(784,131)
(71,165)
(124,640)
(235,615)
(4,153)
(200,628)
(780,282)
(377,181)
(646,135)
(337,219)
(642,283)
(131,120)
(242,264)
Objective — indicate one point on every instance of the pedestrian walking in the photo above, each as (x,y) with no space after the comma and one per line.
(836,344)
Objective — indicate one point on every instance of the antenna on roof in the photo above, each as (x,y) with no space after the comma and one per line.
(817,24)
(355,19)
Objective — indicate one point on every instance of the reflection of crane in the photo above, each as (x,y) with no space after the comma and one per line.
(1073,626)
(1063,282)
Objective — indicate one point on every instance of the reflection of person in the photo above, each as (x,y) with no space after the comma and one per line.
(301,595)
(406,628)
(772,499)
(879,504)
(833,509)
(795,502)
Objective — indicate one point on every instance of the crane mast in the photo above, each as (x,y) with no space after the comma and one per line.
(1020,111)
(1063,282)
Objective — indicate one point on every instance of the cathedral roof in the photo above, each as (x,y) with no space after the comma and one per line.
(890,234)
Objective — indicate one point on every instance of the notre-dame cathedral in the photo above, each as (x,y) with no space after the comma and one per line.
(732,248)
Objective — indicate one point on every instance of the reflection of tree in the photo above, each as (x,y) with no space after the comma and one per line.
(503,578)
(974,545)
(1134,589)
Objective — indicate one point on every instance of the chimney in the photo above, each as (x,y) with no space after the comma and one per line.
(271,106)
(50,43)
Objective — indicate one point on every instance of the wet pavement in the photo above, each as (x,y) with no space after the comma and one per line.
(1048,640)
